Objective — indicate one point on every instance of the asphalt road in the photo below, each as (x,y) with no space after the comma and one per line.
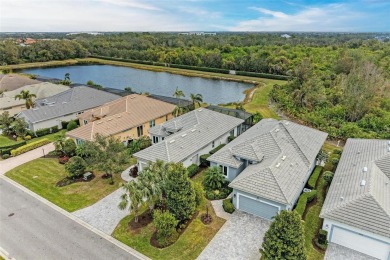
(29,229)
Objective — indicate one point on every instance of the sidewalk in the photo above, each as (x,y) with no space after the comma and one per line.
(9,164)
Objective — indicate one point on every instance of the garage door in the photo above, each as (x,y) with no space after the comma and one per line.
(360,243)
(256,207)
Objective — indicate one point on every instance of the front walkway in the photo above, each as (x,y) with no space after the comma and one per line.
(337,252)
(9,164)
(240,238)
(104,214)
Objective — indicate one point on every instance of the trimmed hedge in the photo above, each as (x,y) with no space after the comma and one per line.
(192,170)
(46,131)
(13,146)
(203,160)
(322,237)
(216,149)
(262,75)
(314,177)
(228,206)
(5,156)
(305,198)
(29,147)
(6,151)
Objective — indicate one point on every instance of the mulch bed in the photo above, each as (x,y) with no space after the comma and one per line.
(143,220)
(67,181)
(183,227)
(206,219)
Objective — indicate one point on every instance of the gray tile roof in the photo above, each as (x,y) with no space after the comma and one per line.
(74,100)
(364,206)
(198,128)
(283,152)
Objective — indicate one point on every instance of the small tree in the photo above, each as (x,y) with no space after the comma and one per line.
(285,238)
(20,127)
(180,194)
(214,178)
(199,193)
(328,177)
(69,148)
(133,191)
(72,125)
(5,123)
(165,224)
(75,167)
(196,99)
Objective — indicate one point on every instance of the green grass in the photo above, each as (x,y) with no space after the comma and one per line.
(4,140)
(190,244)
(52,137)
(41,176)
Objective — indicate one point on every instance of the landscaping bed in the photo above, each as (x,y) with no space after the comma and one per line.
(41,176)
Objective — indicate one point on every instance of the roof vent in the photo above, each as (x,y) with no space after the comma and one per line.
(172,141)
(119,116)
(287,123)
(341,198)
(276,130)
(363,183)
(200,110)
(35,109)
(291,164)
(365,169)
(109,119)
(98,123)
(193,130)
(277,165)
(284,157)
(183,135)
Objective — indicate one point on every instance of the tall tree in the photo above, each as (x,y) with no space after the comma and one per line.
(285,238)
(196,99)
(27,96)
(179,110)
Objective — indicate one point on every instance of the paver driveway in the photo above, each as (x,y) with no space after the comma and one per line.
(337,252)
(104,214)
(240,238)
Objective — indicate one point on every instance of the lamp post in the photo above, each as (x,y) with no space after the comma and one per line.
(43,150)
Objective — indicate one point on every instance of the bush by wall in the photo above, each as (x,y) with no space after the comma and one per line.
(231,138)
(203,160)
(314,177)
(192,170)
(72,125)
(305,198)
(46,131)
(29,147)
(218,194)
(322,237)
(6,151)
(228,205)
(216,149)
(5,156)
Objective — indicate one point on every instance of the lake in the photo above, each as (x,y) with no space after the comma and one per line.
(160,83)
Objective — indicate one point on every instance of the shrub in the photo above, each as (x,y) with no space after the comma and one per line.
(328,176)
(322,237)
(216,149)
(29,147)
(18,139)
(218,194)
(314,177)
(27,137)
(199,193)
(228,205)
(69,147)
(5,156)
(72,125)
(301,205)
(214,179)
(192,170)
(338,152)
(42,132)
(335,161)
(75,167)
(311,196)
(6,151)
(165,224)
(7,70)
(262,75)
(203,160)
(231,138)
(64,124)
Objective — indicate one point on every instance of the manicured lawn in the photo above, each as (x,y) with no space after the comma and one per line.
(41,176)
(190,244)
(52,137)
(5,141)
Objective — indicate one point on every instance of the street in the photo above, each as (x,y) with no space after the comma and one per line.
(29,229)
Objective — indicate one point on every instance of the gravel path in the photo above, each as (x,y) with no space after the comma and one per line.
(104,214)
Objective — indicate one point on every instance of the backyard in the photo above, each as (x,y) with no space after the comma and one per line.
(41,176)
(190,244)
(4,140)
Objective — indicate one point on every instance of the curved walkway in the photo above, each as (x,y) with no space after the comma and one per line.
(9,164)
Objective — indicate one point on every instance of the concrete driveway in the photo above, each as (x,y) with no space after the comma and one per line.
(240,238)
(337,252)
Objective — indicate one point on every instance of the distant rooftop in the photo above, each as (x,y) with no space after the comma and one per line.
(9,82)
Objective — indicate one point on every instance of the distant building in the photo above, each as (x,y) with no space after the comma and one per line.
(198,33)
(9,82)
(285,36)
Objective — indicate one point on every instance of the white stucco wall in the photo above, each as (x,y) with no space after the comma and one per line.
(52,122)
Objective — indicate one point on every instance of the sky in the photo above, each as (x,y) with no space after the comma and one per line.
(194,15)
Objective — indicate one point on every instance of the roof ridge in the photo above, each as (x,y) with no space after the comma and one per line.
(166,147)
(277,182)
(378,204)
(295,145)
(345,203)
(93,124)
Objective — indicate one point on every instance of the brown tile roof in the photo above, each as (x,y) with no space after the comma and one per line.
(11,82)
(120,115)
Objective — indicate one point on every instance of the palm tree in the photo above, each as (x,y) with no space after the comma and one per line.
(178,93)
(26,95)
(179,110)
(133,197)
(214,178)
(196,99)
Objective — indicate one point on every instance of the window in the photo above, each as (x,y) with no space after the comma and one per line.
(213,144)
(224,170)
(79,141)
(163,138)
(166,117)
(155,139)
(238,130)
(85,122)
(232,133)
(152,123)
(140,130)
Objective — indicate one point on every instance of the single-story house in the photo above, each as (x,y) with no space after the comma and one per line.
(126,118)
(187,137)
(356,210)
(65,106)
(9,82)
(269,165)
(41,90)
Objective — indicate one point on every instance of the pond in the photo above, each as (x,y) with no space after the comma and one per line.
(160,83)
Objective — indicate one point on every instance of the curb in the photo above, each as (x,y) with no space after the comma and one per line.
(4,254)
(119,244)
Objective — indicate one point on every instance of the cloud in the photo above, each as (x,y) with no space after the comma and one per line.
(332,17)
(130,3)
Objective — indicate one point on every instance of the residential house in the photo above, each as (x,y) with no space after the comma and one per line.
(269,165)
(187,137)
(41,90)
(65,106)
(127,118)
(356,210)
(9,82)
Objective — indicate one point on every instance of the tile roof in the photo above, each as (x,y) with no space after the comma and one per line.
(9,82)
(120,115)
(41,90)
(196,129)
(365,205)
(73,100)
(282,152)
